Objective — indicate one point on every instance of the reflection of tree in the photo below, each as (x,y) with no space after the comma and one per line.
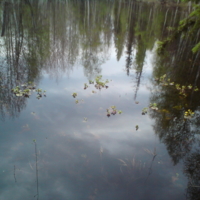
(36,38)
(119,28)
(22,45)
(192,171)
(130,39)
(90,169)
(144,22)
(178,134)
(170,125)
(55,39)
(95,35)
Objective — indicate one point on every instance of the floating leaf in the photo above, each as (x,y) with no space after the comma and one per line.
(74,94)
(19,95)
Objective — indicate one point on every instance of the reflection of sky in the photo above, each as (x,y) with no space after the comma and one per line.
(80,160)
(102,158)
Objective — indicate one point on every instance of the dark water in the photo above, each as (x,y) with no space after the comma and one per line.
(66,148)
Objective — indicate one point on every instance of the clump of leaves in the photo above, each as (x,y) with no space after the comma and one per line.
(153,106)
(74,94)
(99,83)
(40,93)
(144,111)
(136,127)
(91,82)
(79,101)
(112,111)
(183,90)
(196,89)
(26,89)
(188,114)
(119,112)
(85,86)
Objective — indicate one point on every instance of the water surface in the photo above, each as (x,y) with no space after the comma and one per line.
(61,147)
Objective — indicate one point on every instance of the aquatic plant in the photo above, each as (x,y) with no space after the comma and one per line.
(39,93)
(188,114)
(108,112)
(136,127)
(99,82)
(85,86)
(182,89)
(144,111)
(91,82)
(113,107)
(153,106)
(196,89)
(79,101)
(112,110)
(25,90)
(74,94)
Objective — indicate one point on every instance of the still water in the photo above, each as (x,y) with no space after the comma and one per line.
(105,124)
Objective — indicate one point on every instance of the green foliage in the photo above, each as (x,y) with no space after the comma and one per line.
(183,90)
(112,110)
(144,111)
(74,94)
(153,106)
(188,114)
(26,89)
(99,83)
(85,86)
(196,48)
(190,24)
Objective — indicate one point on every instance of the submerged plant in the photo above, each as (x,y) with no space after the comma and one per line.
(136,127)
